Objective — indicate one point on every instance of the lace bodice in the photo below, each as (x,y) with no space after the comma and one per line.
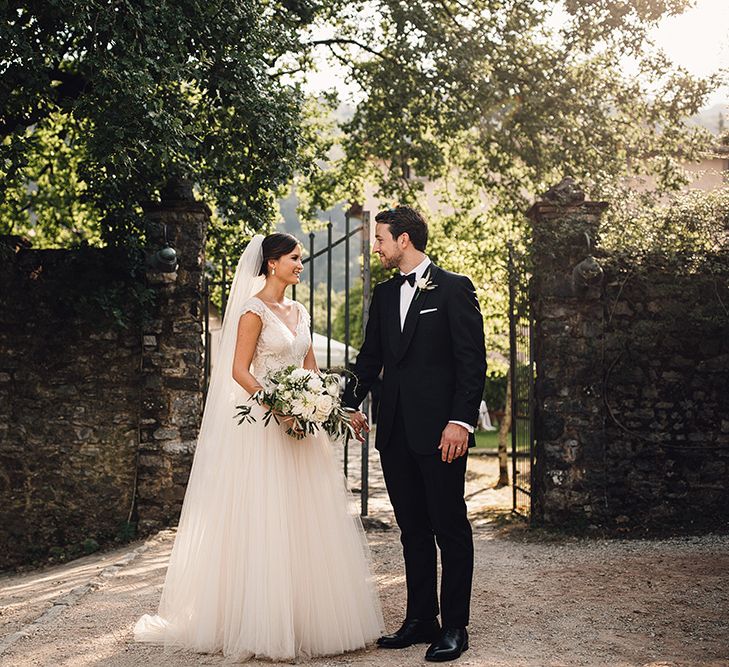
(277,345)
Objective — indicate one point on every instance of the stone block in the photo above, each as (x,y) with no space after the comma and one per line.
(176,371)
(191,326)
(149,460)
(84,434)
(178,446)
(180,479)
(554,312)
(166,433)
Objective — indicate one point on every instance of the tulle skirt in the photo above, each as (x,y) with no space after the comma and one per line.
(270,560)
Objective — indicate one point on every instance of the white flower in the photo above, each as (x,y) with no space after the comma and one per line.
(324,405)
(302,408)
(425,284)
(333,389)
(309,396)
(298,407)
(300,374)
(315,384)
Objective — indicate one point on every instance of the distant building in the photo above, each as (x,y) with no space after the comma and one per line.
(712,172)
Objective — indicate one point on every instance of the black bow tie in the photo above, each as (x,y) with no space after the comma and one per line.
(410,278)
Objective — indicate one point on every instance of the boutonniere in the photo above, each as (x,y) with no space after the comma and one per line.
(425,284)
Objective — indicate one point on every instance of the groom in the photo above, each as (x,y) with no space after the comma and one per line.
(425,329)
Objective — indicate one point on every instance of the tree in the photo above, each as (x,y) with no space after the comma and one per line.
(495,102)
(103,102)
(504,429)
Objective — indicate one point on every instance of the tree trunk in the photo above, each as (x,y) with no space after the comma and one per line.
(504,428)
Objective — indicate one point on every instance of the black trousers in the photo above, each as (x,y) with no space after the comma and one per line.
(427,496)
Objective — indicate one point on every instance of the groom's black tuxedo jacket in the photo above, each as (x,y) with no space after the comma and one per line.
(434,369)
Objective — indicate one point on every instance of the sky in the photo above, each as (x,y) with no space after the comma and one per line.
(698,40)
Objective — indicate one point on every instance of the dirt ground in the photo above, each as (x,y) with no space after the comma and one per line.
(536,602)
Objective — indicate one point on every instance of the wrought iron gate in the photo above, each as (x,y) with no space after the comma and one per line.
(522,378)
(355,222)
(309,262)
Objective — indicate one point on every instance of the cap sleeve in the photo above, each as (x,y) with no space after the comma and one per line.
(253,305)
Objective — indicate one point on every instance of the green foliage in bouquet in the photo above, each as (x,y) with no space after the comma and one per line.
(309,398)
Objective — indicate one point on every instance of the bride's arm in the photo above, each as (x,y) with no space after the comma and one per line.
(310,360)
(249,329)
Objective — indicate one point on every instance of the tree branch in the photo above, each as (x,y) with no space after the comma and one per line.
(275,75)
(346,63)
(344,41)
(450,14)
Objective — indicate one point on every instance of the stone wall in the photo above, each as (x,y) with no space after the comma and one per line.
(666,393)
(632,375)
(69,404)
(100,387)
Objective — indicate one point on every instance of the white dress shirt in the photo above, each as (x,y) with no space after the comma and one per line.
(407,292)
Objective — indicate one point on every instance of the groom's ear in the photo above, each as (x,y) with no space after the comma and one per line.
(404,240)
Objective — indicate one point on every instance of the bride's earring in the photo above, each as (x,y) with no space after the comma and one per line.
(273,270)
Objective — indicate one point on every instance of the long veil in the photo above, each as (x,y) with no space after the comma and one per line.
(198,538)
(223,390)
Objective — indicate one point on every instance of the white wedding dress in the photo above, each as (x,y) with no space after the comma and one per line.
(269,559)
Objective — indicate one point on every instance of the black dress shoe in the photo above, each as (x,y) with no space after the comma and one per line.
(451,643)
(412,631)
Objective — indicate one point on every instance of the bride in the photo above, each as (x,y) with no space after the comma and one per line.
(268,561)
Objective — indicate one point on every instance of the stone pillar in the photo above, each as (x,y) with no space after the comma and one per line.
(172,358)
(568,319)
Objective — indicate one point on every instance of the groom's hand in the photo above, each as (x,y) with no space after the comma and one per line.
(359,422)
(453,442)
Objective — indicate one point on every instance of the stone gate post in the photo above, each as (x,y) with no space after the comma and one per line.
(172,357)
(568,314)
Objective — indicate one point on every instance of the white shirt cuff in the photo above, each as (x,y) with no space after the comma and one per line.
(468,427)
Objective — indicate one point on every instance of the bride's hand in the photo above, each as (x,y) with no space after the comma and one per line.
(291,426)
(287,421)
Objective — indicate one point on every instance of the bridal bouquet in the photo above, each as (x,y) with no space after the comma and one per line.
(311,399)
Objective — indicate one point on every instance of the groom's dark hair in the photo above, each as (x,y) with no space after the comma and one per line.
(403,219)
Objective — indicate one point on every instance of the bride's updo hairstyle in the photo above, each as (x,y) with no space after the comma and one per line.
(274,246)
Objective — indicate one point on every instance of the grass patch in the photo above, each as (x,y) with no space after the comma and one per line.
(488,440)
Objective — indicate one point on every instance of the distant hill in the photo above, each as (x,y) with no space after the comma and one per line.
(708,118)
(712,117)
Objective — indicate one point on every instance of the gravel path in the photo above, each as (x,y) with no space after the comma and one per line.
(647,603)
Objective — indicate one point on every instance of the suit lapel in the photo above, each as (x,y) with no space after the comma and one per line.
(412,317)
